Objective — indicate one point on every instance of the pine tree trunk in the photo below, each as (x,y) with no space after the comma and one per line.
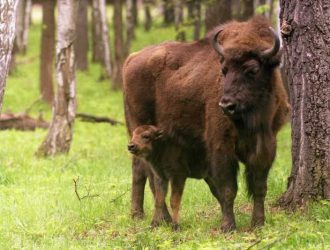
(217,12)
(96,32)
(81,42)
(178,20)
(47,51)
(147,15)
(60,132)
(119,44)
(129,25)
(7,34)
(305,31)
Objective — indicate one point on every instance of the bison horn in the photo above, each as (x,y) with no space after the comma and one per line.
(218,48)
(268,53)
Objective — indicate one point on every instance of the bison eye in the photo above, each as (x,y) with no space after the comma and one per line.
(252,71)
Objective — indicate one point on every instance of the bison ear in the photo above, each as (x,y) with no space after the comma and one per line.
(159,134)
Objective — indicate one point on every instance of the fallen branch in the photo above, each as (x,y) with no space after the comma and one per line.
(91,118)
(88,195)
(21,121)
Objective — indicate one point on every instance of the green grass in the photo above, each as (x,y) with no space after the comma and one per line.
(39,208)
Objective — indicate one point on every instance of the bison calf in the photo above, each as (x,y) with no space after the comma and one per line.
(168,162)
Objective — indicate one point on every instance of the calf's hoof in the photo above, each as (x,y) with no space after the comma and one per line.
(175,227)
(257,222)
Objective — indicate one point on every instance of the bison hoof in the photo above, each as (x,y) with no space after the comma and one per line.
(228,227)
(137,215)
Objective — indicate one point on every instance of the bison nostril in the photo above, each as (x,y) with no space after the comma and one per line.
(131,147)
(227,106)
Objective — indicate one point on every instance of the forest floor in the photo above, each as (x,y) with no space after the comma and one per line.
(39,208)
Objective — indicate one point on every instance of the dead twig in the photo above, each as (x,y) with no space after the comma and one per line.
(119,196)
(92,118)
(88,195)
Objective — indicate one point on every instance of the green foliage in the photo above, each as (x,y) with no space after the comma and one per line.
(40,210)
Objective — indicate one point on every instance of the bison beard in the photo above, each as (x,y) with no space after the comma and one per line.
(179,87)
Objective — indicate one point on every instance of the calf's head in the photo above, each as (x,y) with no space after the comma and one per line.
(143,139)
(247,68)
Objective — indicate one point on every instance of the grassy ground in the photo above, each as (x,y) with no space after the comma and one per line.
(39,208)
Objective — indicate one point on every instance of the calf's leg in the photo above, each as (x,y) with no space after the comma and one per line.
(161,212)
(177,185)
(139,178)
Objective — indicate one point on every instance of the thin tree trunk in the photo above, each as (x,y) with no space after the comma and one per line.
(129,25)
(135,14)
(178,19)
(147,15)
(246,10)
(100,28)
(81,43)
(305,31)
(47,51)
(7,35)
(96,32)
(119,44)
(26,25)
(105,39)
(217,12)
(197,18)
(60,132)
(20,25)
(168,12)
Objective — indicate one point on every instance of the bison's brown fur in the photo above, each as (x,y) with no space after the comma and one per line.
(178,87)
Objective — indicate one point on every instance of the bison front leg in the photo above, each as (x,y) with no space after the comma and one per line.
(161,213)
(257,186)
(177,185)
(226,185)
(139,178)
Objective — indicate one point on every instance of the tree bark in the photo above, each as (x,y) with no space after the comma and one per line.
(119,44)
(7,35)
(306,39)
(147,15)
(217,12)
(60,132)
(81,43)
(47,51)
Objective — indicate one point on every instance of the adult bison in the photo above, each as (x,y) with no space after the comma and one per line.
(221,99)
